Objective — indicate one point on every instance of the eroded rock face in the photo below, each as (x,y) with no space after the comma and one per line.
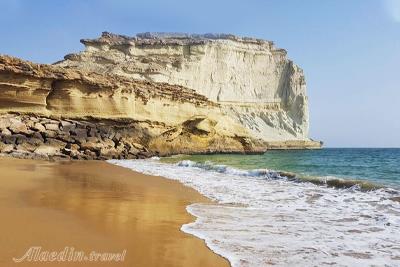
(64,113)
(254,83)
(152,94)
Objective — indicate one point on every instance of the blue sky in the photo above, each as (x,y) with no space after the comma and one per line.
(349,49)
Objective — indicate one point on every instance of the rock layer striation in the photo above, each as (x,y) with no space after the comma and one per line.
(56,112)
(154,94)
(253,81)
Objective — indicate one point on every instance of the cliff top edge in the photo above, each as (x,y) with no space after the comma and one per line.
(171,38)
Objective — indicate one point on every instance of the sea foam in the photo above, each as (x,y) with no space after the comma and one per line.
(262,218)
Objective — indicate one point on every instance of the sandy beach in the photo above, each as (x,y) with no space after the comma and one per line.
(95,206)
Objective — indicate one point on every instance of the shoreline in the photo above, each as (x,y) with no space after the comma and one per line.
(261,222)
(94,205)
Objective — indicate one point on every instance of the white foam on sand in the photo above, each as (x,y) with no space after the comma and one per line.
(259,220)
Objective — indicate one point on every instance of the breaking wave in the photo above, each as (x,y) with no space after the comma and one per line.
(289,176)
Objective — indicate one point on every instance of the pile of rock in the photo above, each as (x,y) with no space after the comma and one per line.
(31,136)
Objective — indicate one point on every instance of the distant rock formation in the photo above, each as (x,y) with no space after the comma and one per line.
(154,94)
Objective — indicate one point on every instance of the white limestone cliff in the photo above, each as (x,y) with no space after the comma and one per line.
(255,83)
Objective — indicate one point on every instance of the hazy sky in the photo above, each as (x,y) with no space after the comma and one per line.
(349,49)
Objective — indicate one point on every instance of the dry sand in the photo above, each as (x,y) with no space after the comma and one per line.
(95,206)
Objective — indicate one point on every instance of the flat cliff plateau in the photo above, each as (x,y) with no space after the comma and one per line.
(154,94)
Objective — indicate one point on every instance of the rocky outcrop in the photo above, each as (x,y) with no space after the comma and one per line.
(50,111)
(253,81)
(35,136)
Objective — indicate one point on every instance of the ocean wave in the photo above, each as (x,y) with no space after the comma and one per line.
(208,165)
(331,181)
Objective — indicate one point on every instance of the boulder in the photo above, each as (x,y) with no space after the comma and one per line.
(52,127)
(65,137)
(38,127)
(5,148)
(93,132)
(90,154)
(19,127)
(55,143)
(47,150)
(20,139)
(134,151)
(72,150)
(50,134)
(9,139)
(5,123)
(79,135)
(35,141)
(6,132)
(26,147)
(67,126)
(108,152)
(120,148)
(91,145)
(37,135)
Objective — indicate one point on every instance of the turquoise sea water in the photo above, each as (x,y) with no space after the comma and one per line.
(376,165)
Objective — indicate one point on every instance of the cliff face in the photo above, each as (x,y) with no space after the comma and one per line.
(154,95)
(53,111)
(253,82)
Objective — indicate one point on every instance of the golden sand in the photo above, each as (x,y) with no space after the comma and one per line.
(95,206)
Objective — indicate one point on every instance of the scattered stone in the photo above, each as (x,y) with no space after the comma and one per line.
(108,152)
(5,123)
(144,154)
(9,139)
(91,145)
(72,150)
(67,126)
(37,135)
(20,139)
(138,146)
(26,147)
(65,137)
(133,150)
(49,121)
(93,132)
(66,123)
(52,127)
(38,127)
(18,127)
(55,143)
(50,134)
(120,148)
(6,148)
(40,137)
(35,141)
(90,154)
(79,134)
(117,137)
(47,150)
(29,124)
(6,132)
(33,119)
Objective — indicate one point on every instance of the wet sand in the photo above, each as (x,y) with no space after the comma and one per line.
(95,206)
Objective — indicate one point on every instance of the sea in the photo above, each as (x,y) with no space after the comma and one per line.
(328,207)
